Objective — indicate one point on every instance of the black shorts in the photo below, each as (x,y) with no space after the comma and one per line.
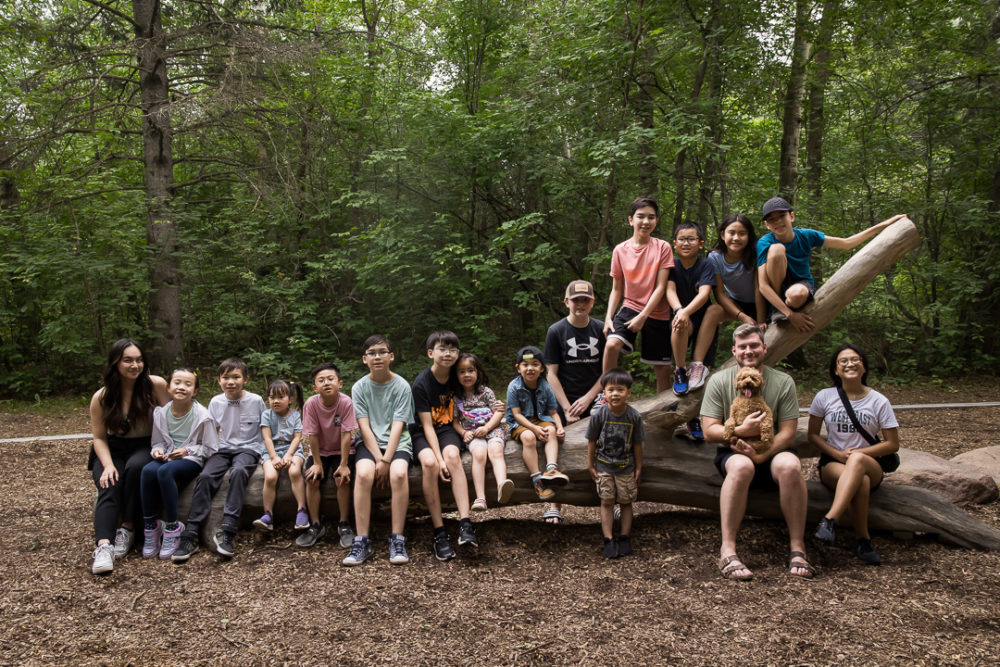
(364,455)
(762,479)
(887,463)
(331,463)
(655,348)
(446,435)
(747,307)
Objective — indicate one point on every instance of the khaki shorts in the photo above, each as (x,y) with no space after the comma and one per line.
(516,433)
(621,487)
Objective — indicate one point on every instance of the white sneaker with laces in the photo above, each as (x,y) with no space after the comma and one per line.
(104,559)
(696,375)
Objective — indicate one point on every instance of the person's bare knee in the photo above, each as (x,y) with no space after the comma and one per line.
(796,296)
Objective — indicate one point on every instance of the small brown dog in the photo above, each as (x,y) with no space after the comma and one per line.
(749,385)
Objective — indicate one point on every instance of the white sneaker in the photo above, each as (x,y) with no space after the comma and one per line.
(696,375)
(123,542)
(104,559)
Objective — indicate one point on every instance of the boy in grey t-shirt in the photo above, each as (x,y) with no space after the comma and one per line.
(614,455)
(237,413)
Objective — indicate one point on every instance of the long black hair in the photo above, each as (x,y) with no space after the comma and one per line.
(833,364)
(142,404)
(749,258)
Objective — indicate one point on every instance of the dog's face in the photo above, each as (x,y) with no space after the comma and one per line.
(749,382)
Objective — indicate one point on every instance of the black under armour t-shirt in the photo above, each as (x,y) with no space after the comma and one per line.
(579,353)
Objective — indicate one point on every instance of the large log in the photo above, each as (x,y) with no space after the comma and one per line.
(678,472)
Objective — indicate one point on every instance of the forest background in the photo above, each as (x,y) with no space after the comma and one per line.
(279,179)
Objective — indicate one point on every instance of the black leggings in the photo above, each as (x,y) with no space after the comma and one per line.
(122,499)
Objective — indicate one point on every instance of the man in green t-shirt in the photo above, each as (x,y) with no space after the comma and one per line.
(742,468)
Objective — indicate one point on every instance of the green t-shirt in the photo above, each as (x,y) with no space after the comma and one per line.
(382,404)
(179,428)
(779,394)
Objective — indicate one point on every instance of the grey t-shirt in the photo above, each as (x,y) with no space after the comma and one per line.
(239,422)
(615,436)
(736,279)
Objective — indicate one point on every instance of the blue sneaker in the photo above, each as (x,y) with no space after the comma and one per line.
(680,381)
(694,429)
(397,550)
(360,551)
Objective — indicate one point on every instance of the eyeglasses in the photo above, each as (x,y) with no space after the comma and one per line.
(447,351)
(687,240)
(375,354)
(849,361)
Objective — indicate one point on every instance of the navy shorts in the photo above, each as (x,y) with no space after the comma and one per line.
(655,347)
(331,463)
(364,455)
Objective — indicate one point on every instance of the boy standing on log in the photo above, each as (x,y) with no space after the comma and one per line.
(742,468)
(614,455)
(237,413)
(639,270)
(783,272)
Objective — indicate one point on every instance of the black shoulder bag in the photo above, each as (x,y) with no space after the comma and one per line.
(889,462)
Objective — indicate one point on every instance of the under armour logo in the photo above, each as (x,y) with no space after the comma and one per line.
(574,349)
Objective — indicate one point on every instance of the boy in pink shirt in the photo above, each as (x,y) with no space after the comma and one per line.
(327,423)
(639,270)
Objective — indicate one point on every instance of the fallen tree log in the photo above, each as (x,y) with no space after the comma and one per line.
(678,472)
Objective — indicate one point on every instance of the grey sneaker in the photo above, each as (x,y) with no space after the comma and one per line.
(397,550)
(442,547)
(185,549)
(827,530)
(346,535)
(225,543)
(123,541)
(171,540)
(696,375)
(361,549)
(865,551)
(104,559)
(311,535)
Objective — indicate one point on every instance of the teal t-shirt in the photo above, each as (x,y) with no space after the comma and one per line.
(382,404)
(797,251)
(179,428)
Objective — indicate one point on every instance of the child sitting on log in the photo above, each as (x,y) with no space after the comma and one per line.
(281,429)
(614,456)
(783,261)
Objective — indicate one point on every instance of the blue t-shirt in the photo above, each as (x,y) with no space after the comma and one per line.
(535,404)
(689,280)
(797,252)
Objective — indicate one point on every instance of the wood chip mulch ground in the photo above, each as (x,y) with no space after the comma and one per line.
(533,595)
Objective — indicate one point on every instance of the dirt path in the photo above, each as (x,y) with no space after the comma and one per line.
(534,595)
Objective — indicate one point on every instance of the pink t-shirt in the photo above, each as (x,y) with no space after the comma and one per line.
(637,268)
(327,424)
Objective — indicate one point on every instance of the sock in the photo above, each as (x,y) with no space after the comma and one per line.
(535,476)
(171,526)
(623,538)
(149,524)
(550,466)
(607,539)
(439,530)
(465,521)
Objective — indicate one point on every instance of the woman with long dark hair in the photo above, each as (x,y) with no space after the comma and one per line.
(852,458)
(121,419)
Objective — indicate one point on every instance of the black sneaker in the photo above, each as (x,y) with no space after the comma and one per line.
(865,552)
(442,547)
(224,543)
(610,549)
(624,545)
(311,535)
(185,549)
(827,530)
(467,535)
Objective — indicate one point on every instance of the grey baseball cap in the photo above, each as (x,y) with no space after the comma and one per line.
(775,204)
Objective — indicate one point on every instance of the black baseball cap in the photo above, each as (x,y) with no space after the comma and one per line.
(775,204)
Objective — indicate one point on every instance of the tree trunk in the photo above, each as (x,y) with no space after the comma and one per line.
(817,94)
(792,120)
(161,232)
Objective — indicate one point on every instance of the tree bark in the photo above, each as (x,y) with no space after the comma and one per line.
(818,80)
(792,108)
(161,232)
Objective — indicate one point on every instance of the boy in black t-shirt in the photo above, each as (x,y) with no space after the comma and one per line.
(574,348)
(436,443)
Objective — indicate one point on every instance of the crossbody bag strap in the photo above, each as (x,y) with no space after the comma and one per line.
(872,440)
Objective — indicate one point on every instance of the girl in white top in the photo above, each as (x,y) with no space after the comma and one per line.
(184,436)
(849,465)
(734,259)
